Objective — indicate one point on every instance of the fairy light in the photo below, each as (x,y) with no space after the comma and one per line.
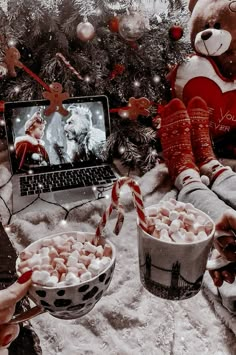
(156,79)
(94,188)
(30,172)
(136,83)
(12,43)
(87,79)
(7,229)
(124,114)
(2,123)
(121,150)
(16,89)
(63,222)
(11,147)
(107,197)
(18,119)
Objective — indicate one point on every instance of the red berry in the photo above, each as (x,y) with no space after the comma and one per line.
(176,32)
(113,24)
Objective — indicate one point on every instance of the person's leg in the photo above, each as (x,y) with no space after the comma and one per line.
(27,342)
(176,143)
(222,179)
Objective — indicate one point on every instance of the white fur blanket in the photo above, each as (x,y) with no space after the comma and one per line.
(128,319)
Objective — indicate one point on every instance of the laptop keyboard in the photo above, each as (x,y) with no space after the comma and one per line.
(64,180)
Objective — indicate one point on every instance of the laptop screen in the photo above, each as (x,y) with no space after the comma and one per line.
(40,143)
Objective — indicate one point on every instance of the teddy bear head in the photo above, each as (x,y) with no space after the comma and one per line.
(213,32)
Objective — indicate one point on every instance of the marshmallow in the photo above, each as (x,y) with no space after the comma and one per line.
(65,260)
(90,247)
(86,276)
(71,279)
(40,277)
(178,222)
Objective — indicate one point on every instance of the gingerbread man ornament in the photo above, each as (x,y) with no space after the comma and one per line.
(56,96)
(136,107)
(12,60)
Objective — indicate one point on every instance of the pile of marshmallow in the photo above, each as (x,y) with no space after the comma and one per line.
(178,222)
(64,260)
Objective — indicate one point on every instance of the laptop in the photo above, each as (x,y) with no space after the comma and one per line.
(58,158)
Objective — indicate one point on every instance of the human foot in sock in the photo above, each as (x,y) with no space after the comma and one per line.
(176,143)
(201,141)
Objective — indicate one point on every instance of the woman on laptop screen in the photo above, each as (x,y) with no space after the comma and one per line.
(30,151)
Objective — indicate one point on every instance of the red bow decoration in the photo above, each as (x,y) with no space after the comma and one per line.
(135,108)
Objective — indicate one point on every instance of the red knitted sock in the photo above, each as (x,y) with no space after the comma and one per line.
(201,141)
(200,136)
(176,138)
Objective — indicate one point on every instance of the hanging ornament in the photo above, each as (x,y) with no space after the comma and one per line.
(132,26)
(176,32)
(113,24)
(135,108)
(85,31)
(117,70)
(3,70)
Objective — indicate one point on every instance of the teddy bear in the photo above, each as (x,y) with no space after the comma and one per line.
(211,72)
(12,60)
(56,96)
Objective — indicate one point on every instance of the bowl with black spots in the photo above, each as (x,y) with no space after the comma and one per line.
(70,301)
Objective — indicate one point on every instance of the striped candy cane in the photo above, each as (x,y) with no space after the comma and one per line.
(115,195)
(67,63)
(137,198)
(105,218)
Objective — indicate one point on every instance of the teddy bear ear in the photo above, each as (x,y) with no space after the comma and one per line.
(192,4)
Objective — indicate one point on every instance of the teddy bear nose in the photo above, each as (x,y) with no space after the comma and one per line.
(206,35)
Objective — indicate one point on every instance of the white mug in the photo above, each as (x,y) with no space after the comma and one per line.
(173,270)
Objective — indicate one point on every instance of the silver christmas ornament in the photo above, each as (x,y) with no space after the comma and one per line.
(132,26)
(85,31)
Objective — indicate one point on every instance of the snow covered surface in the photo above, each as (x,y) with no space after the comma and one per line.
(128,319)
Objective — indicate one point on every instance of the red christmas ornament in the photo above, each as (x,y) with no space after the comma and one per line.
(117,70)
(113,24)
(176,32)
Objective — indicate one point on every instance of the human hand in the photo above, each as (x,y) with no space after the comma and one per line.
(8,299)
(226,246)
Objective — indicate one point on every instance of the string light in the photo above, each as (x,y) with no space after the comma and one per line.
(136,83)
(16,89)
(12,43)
(87,79)
(7,229)
(156,79)
(121,150)
(63,222)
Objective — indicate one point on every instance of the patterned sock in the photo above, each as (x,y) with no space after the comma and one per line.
(201,141)
(176,139)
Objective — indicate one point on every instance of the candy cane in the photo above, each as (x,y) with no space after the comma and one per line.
(137,198)
(115,195)
(104,219)
(67,63)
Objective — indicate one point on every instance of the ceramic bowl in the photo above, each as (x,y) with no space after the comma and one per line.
(71,301)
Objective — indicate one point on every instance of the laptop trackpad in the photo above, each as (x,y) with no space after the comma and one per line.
(74,195)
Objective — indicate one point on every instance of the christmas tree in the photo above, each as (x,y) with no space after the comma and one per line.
(122,49)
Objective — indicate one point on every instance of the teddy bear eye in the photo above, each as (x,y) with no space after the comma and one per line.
(217,25)
(206,26)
